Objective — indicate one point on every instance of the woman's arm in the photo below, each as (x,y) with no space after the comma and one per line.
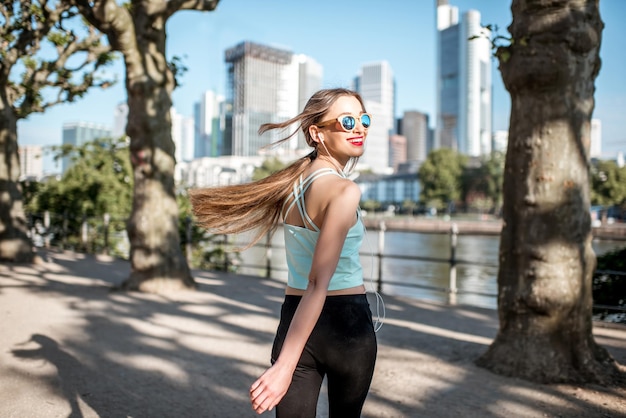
(339,217)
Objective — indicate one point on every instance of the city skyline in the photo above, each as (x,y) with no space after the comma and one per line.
(342,45)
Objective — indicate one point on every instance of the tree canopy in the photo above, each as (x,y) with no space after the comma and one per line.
(608,184)
(268,167)
(440,177)
(99,182)
(482,183)
(48,56)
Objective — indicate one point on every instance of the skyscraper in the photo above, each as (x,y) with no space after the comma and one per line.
(375,83)
(208,125)
(500,141)
(415,129)
(120,118)
(262,87)
(595,149)
(463,82)
(397,151)
(79,133)
(183,136)
(310,74)
(31,161)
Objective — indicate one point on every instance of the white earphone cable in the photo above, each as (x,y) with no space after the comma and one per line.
(381,314)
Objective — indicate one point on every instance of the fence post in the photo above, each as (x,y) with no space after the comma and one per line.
(268,255)
(46,226)
(381,249)
(65,222)
(84,233)
(188,239)
(106,219)
(452,289)
(225,249)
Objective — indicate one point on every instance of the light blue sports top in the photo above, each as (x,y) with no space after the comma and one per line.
(300,243)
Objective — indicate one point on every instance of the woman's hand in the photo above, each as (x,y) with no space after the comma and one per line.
(270,388)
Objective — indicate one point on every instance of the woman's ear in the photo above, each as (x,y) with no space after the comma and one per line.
(315,133)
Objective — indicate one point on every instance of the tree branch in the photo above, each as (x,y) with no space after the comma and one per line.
(110,18)
(29,25)
(203,5)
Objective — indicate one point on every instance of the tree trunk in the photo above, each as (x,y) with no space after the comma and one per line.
(157,260)
(546,258)
(15,245)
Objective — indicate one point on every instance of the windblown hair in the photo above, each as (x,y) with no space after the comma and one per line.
(258,205)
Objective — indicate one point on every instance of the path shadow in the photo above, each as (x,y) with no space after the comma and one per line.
(196,353)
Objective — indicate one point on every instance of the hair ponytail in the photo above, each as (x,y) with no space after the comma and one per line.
(244,207)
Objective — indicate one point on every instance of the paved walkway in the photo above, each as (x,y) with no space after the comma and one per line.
(71,348)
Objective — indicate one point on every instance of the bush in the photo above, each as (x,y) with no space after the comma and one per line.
(609,287)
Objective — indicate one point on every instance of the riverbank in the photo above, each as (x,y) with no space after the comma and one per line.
(489,226)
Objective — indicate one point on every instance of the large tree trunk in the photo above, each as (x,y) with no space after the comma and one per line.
(546,259)
(158,264)
(14,242)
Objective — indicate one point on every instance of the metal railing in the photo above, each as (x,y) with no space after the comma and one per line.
(103,233)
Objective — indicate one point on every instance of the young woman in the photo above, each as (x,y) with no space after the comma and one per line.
(325,324)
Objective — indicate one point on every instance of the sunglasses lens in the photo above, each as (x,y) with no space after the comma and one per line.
(366,121)
(348,123)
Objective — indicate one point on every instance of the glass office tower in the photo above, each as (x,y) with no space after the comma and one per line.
(463,82)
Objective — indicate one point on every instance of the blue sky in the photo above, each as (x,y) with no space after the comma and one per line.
(341,36)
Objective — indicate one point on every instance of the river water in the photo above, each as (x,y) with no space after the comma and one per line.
(476,280)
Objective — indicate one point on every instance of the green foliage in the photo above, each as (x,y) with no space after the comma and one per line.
(178,69)
(482,184)
(30,189)
(500,44)
(371,205)
(409,206)
(208,251)
(269,166)
(59,38)
(608,184)
(609,288)
(441,178)
(98,182)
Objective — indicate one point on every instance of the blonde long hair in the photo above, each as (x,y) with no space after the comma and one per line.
(258,205)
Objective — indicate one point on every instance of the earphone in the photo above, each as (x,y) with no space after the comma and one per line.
(321,138)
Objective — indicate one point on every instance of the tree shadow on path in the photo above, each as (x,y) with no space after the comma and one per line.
(86,351)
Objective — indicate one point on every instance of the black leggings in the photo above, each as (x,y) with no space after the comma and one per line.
(342,347)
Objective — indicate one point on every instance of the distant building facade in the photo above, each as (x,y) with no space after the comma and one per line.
(416,130)
(595,148)
(216,171)
(397,151)
(208,125)
(463,82)
(310,75)
(183,136)
(262,87)
(31,161)
(120,119)
(389,189)
(376,85)
(500,141)
(79,133)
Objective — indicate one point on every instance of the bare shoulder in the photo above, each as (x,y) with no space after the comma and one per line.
(342,191)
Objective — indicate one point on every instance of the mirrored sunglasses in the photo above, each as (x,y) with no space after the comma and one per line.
(348,122)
